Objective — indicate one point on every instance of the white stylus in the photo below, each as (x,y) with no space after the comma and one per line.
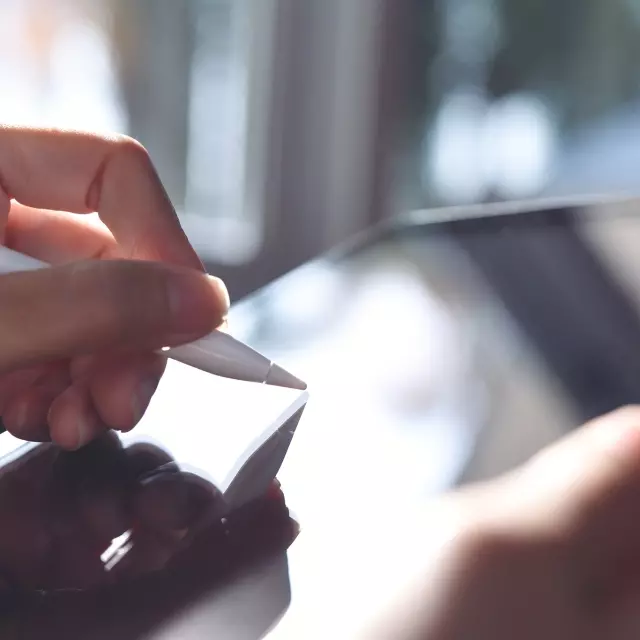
(217,353)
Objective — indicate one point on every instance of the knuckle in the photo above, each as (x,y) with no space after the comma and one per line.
(123,154)
(129,149)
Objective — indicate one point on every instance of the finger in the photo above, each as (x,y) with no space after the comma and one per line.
(26,414)
(57,237)
(14,383)
(73,420)
(95,306)
(587,488)
(122,388)
(5,205)
(84,173)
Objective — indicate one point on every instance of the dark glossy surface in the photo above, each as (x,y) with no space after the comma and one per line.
(61,576)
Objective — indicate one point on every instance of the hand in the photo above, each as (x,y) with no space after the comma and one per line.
(77,341)
(551,551)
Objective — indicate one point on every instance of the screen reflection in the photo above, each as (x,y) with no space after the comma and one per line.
(121,542)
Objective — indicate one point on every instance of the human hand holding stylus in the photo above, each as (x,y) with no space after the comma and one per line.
(78,341)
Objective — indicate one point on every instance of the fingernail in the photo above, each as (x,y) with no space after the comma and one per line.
(142,397)
(222,290)
(197,303)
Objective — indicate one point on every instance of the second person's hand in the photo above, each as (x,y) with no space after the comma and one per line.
(550,550)
(77,341)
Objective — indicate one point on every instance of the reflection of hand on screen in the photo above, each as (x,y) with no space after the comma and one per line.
(61,511)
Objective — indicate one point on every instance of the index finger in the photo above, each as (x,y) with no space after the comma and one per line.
(86,173)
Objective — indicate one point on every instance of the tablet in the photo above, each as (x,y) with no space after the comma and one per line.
(440,348)
(449,345)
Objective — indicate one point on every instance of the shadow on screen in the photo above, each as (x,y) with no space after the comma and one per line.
(112,542)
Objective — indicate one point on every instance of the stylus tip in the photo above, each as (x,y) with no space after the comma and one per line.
(279,377)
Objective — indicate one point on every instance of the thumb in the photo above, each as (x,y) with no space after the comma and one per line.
(586,489)
(97,305)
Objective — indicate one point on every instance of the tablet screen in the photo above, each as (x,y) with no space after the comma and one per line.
(450,347)
(440,349)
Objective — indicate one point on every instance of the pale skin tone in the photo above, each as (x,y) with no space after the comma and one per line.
(77,342)
(550,551)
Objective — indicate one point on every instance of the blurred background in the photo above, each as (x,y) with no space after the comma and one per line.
(281,127)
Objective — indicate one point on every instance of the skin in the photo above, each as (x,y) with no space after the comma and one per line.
(77,340)
(550,551)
